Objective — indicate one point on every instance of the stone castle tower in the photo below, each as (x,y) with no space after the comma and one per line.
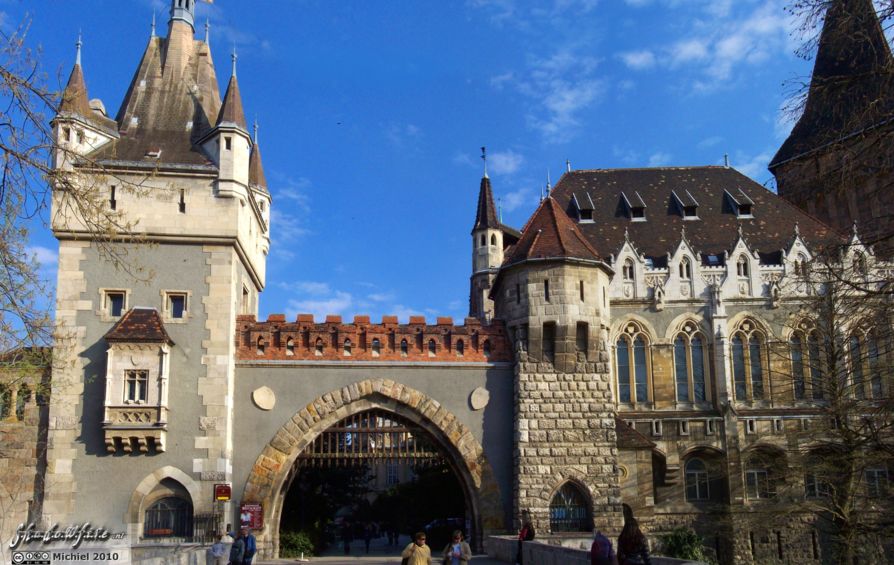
(836,164)
(145,357)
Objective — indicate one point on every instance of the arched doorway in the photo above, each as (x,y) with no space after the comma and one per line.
(463,453)
(373,474)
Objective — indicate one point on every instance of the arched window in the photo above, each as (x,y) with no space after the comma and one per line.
(376,347)
(432,348)
(460,348)
(865,358)
(633,364)
(318,347)
(859,264)
(762,473)
(23,397)
(697,486)
(403,348)
(875,366)
(742,266)
(261,345)
(569,511)
(168,517)
(685,269)
(483,240)
(799,387)
(801,265)
(748,352)
(493,240)
(689,365)
(290,346)
(346,349)
(627,270)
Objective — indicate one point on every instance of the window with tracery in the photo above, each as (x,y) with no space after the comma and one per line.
(749,349)
(569,511)
(806,368)
(632,364)
(627,270)
(865,359)
(685,269)
(690,363)
(742,266)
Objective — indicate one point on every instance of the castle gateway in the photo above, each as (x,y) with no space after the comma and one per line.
(621,349)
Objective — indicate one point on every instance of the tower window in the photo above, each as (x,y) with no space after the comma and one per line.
(376,347)
(403,348)
(518,294)
(546,290)
(290,347)
(460,348)
(114,303)
(549,341)
(66,133)
(346,349)
(483,240)
(228,143)
(175,305)
(245,299)
(432,348)
(581,291)
(113,204)
(182,203)
(493,240)
(318,347)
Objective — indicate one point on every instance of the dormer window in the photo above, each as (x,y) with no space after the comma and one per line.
(584,206)
(686,204)
(636,207)
(739,203)
(713,260)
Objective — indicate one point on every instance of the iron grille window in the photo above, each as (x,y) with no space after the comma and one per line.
(169,517)
(568,511)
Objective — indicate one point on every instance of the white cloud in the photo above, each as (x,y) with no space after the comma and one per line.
(337,303)
(284,227)
(381,296)
(754,166)
(639,60)
(43,255)
(687,51)
(403,136)
(306,287)
(504,162)
(501,80)
(515,199)
(710,142)
(659,159)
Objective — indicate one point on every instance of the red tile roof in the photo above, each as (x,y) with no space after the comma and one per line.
(139,325)
(550,233)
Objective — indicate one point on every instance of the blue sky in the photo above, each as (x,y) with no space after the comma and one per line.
(372,115)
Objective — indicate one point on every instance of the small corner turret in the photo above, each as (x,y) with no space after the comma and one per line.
(183,11)
(487,249)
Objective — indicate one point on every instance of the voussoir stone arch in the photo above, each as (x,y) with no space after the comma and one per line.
(576,478)
(644,324)
(144,488)
(676,325)
(271,472)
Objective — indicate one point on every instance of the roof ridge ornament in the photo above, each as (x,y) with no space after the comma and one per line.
(78,45)
(207,32)
(484,158)
(152,29)
(567,165)
(234,56)
(256,131)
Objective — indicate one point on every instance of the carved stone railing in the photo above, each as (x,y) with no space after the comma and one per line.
(135,425)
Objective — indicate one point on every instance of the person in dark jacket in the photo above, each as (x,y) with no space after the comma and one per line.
(526,533)
(237,550)
(632,546)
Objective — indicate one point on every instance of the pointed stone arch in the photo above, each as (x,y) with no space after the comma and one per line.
(550,490)
(268,479)
(137,505)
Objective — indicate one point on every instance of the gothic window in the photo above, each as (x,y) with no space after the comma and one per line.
(569,511)
(346,349)
(748,352)
(685,269)
(696,480)
(875,372)
(403,348)
(742,266)
(632,350)
(169,517)
(460,348)
(798,381)
(689,365)
(290,346)
(22,398)
(801,265)
(136,386)
(318,347)
(376,347)
(432,348)
(856,361)
(493,240)
(627,271)
(859,264)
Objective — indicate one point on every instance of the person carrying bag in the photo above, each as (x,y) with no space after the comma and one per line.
(457,551)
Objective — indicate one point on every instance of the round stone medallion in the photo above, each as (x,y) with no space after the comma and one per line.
(479,399)
(264,398)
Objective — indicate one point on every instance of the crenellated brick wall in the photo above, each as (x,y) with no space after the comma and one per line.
(305,339)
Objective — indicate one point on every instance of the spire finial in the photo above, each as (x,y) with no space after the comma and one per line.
(626,235)
(234,56)
(484,158)
(256,130)
(207,32)
(797,230)
(739,230)
(78,49)
(549,186)
(683,232)
(152,31)
(726,160)
(567,165)
(500,208)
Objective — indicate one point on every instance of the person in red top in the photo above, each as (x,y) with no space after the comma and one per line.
(526,533)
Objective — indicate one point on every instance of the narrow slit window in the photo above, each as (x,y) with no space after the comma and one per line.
(182,204)
(228,143)
(113,204)
(546,290)
(582,291)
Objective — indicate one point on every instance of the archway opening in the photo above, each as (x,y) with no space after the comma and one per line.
(376,476)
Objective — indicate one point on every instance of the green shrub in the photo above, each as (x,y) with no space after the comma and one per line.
(683,543)
(293,544)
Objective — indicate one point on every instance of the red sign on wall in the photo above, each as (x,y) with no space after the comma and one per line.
(222,492)
(251,515)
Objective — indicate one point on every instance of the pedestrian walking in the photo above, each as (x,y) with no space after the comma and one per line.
(632,546)
(220,551)
(416,553)
(602,552)
(251,546)
(237,550)
(457,551)
(526,533)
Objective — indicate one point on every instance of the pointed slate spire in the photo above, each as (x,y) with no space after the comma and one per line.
(851,86)
(74,97)
(486,217)
(231,110)
(256,176)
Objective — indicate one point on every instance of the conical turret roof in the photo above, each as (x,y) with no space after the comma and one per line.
(231,110)
(486,217)
(256,176)
(551,234)
(74,97)
(852,87)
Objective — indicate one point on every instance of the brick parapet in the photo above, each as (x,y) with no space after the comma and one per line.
(305,339)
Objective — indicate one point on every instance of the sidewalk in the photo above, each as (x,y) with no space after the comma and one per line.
(379,554)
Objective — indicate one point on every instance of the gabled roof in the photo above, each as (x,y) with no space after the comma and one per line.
(551,234)
(486,216)
(139,325)
(231,111)
(769,230)
(852,87)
